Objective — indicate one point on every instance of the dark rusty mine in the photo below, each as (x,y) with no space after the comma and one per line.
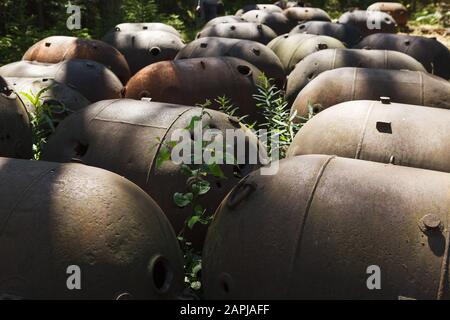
(434,56)
(91,79)
(99,136)
(277,21)
(243,30)
(61,97)
(303,14)
(193,81)
(269,8)
(60,48)
(317,241)
(15,129)
(379,131)
(395,9)
(345,33)
(146,26)
(251,51)
(57,218)
(369,22)
(324,60)
(224,19)
(347,84)
(142,48)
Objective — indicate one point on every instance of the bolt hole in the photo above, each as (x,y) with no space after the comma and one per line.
(244,70)
(233,28)
(155,51)
(302,26)
(144,94)
(203,45)
(48,44)
(145,28)
(162,274)
(310,76)
(384,127)
(81,149)
(117,28)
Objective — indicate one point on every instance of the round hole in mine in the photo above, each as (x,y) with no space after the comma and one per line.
(244,70)
(161,274)
(155,51)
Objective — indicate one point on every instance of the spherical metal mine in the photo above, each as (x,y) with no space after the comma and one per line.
(93,80)
(68,221)
(315,229)
(369,22)
(99,136)
(61,48)
(244,30)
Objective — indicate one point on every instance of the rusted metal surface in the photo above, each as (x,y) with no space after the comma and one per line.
(15,129)
(434,56)
(293,48)
(400,134)
(58,215)
(324,60)
(369,22)
(345,33)
(312,230)
(302,14)
(244,30)
(395,9)
(60,48)
(251,51)
(286,4)
(277,21)
(57,94)
(270,8)
(91,79)
(103,130)
(193,81)
(224,19)
(146,26)
(347,84)
(142,48)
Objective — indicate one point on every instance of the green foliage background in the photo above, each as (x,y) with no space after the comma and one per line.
(23,22)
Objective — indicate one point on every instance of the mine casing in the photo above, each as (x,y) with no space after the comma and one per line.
(193,81)
(434,56)
(142,48)
(93,80)
(347,84)
(79,227)
(146,26)
(277,21)
(269,8)
(347,34)
(400,134)
(251,51)
(369,22)
(56,49)
(224,19)
(324,60)
(293,48)
(99,136)
(243,30)
(331,228)
(303,14)
(63,99)
(15,128)
(395,9)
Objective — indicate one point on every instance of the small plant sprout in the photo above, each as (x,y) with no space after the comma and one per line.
(42,118)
